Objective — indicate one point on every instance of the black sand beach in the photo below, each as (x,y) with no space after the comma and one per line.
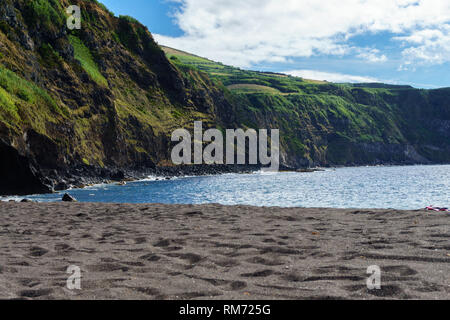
(220,252)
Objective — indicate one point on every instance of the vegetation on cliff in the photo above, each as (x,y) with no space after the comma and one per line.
(331,123)
(107,96)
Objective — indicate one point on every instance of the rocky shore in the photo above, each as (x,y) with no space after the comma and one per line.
(151,251)
(48,181)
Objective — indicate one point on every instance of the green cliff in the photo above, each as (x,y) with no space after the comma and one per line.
(336,124)
(106,98)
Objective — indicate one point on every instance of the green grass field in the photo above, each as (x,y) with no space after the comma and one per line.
(84,56)
(247,81)
(22,101)
(355,112)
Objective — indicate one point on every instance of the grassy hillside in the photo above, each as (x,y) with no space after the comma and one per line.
(231,76)
(102,97)
(324,122)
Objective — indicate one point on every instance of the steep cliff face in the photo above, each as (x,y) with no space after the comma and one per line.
(105,99)
(325,123)
(356,126)
(104,96)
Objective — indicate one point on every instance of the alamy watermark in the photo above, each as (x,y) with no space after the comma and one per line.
(74,20)
(74,280)
(235,143)
(374,281)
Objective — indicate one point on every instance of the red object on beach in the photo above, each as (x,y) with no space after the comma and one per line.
(433,208)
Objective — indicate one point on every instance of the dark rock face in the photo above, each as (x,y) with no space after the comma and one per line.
(18,175)
(118,175)
(61,186)
(68,198)
(105,133)
(43,149)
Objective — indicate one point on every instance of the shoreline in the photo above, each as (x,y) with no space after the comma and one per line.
(154,251)
(168,173)
(77,177)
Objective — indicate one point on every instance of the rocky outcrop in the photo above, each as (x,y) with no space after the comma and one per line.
(68,198)
(18,174)
(96,103)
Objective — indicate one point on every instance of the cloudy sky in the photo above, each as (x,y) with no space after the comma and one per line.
(393,41)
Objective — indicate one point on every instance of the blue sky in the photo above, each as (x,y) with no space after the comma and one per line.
(393,41)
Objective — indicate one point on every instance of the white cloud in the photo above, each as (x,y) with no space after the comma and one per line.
(331,77)
(372,55)
(427,46)
(242,33)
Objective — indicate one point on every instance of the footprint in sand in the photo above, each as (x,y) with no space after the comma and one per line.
(30,283)
(107,267)
(35,293)
(258,274)
(192,258)
(163,243)
(140,240)
(403,271)
(385,291)
(226,285)
(37,251)
(150,257)
(265,262)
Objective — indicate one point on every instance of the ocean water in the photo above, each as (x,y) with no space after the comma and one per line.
(408,187)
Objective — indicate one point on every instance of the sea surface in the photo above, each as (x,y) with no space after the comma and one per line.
(397,187)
